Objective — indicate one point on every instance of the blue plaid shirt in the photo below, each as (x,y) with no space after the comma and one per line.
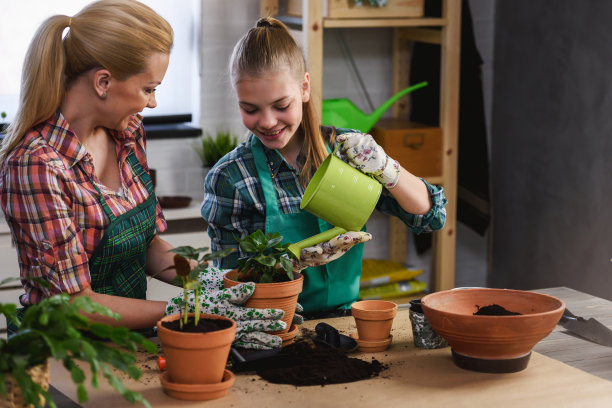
(234,204)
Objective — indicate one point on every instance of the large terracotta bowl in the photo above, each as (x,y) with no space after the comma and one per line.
(492,343)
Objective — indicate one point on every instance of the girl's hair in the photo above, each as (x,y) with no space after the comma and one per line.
(269,47)
(118,35)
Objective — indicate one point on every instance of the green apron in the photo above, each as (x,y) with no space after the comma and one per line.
(117,266)
(327,287)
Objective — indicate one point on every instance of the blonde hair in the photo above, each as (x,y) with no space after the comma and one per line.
(269,47)
(118,35)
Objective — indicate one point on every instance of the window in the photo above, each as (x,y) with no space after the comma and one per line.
(180,90)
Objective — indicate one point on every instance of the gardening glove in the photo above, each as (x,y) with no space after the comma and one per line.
(361,151)
(328,251)
(251,322)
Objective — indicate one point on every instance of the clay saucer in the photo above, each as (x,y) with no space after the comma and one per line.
(289,336)
(197,392)
(372,346)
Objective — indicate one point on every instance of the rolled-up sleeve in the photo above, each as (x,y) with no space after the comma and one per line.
(432,221)
(47,239)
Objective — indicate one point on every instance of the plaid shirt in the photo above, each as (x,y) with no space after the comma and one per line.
(53,209)
(234,204)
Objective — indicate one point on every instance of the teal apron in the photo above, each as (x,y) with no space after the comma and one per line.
(327,287)
(117,266)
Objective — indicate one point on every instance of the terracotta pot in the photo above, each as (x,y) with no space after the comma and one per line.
(374,319)
(492,343)
(278,295)
(197,392)
(196,358)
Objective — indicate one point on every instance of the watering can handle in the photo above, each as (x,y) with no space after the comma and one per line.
(296,249)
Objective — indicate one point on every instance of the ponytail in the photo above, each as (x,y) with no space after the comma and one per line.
(43,69)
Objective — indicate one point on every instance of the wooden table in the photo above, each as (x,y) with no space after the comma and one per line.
(564,371)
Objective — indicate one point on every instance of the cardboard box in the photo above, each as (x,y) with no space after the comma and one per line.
(417,147)
(347,9)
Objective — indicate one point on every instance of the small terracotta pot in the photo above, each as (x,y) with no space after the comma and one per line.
(278,295)
(374,319)
(196,358)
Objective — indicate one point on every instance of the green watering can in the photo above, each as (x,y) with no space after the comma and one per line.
(342,113)
(341,195)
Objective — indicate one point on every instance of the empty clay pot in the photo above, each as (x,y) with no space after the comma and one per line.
(373,318)
(492,343)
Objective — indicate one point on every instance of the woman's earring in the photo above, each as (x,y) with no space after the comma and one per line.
(103,96)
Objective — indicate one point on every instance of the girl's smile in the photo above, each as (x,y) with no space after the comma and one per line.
(271,108)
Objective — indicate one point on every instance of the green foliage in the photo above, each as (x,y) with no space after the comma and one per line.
(188,278)
(212,149)
(55,328)
(265,257)
(2,124)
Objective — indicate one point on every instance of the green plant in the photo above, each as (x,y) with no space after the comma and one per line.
(212,149)
(2,124)
(265,259)
(56,328)
(188,278)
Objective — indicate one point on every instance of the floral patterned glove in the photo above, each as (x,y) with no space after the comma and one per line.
(361,151)
(252,323)
(328,251)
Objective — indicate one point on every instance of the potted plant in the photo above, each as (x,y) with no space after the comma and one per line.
(195,345)
(211,149)
(267,262)
(56,328)
(3,125)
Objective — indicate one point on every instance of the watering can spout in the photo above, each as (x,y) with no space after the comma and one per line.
(378,112)
(343,113)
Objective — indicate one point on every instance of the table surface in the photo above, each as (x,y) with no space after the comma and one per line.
(564,370)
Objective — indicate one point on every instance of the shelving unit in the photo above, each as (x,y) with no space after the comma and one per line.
(314,24)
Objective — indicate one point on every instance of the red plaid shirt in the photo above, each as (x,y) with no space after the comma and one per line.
(53,209)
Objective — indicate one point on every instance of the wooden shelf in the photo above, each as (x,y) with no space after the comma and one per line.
(446,32)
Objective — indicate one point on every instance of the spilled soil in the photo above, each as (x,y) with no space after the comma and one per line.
(306,362)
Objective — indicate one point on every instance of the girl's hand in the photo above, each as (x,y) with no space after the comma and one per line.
(361,151)
(328,251)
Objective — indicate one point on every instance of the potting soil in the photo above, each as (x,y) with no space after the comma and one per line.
(494,310)
(306,362)
(204,325)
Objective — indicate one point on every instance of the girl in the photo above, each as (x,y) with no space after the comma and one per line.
(74,182)
(260,184)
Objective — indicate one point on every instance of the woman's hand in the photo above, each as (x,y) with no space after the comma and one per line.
(361,151)
(252,323)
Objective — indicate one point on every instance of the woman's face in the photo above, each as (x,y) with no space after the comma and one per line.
(271,107)
(135,93)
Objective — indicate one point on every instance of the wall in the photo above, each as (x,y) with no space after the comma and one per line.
(552,184)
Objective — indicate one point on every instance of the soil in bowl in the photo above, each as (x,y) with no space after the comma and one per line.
(494,310)
(204,325)
(306,362)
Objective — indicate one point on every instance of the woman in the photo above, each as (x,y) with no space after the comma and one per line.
(74,182)
(260,184)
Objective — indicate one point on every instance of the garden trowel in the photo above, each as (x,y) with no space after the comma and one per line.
(590,329)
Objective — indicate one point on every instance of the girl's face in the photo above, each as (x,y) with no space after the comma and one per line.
(135,93)
(271,107)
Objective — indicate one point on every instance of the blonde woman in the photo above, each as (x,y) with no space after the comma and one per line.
(74,181)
